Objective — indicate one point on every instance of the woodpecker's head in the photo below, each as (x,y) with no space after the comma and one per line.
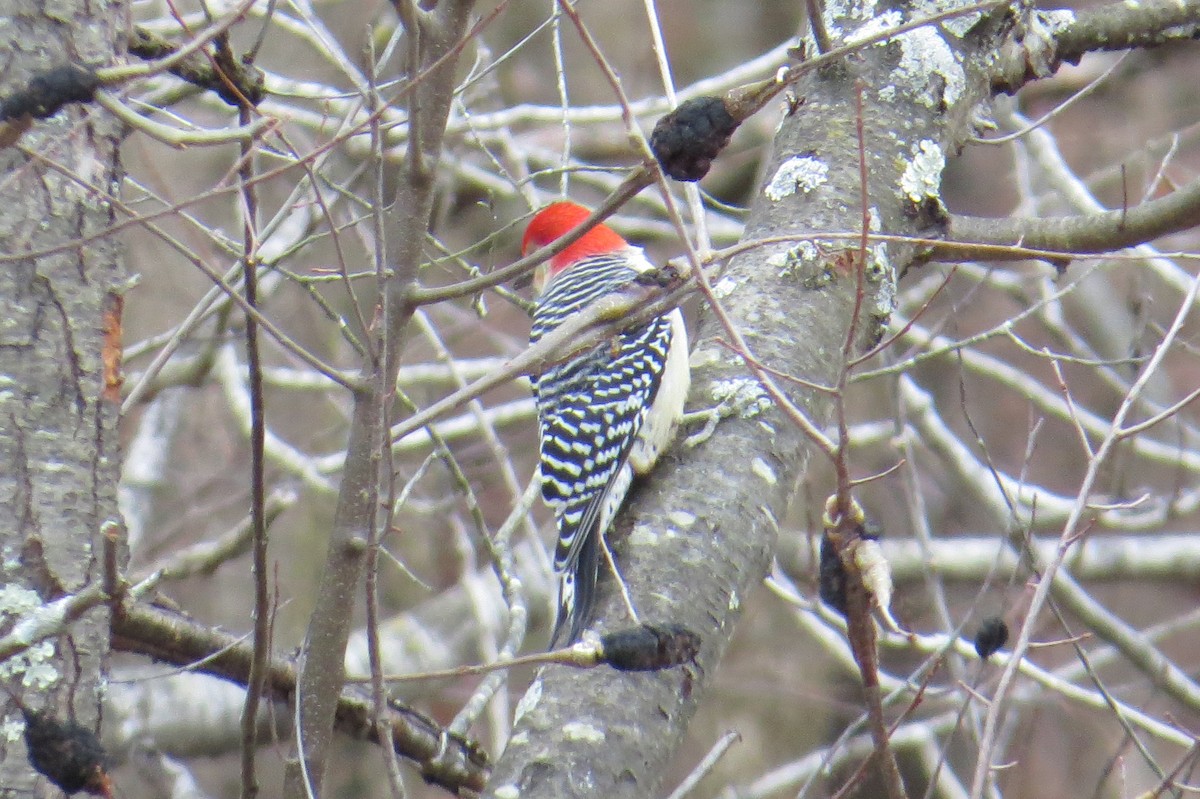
(555,221)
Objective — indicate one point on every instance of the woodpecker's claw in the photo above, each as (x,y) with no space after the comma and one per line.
(662,277)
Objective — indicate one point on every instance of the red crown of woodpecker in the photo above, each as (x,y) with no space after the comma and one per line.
(558,219)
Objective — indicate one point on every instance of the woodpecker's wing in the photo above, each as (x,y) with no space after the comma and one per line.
(587,435)
(590,410)
(576,593)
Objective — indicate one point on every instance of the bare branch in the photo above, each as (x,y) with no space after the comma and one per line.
(449,760)
(1086,234)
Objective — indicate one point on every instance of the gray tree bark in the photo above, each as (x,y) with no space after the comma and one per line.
(59,288)
(704,527)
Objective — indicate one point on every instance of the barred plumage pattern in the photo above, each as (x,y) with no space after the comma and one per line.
(590,410)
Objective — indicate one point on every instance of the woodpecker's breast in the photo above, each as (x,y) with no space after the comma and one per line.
(666,409)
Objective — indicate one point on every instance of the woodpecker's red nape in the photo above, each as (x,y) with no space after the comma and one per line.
(558,219)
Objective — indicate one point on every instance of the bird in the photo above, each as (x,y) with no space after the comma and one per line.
(605,413)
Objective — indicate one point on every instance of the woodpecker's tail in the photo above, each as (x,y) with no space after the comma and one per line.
(577,593)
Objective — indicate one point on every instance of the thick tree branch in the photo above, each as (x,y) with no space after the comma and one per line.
(1121,26)
(433,52)
(1086,234)
(1051,38)
(450,761)
(699,534)
(59,355)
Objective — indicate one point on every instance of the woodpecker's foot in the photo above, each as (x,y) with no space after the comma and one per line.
(662,277)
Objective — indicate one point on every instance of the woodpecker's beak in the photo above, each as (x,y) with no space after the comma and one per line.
(539,277)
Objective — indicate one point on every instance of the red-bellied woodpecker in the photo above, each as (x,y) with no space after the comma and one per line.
(606,413)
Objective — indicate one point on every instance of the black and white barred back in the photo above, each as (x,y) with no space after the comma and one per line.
(590,411)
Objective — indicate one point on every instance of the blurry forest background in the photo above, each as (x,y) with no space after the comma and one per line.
(997,382)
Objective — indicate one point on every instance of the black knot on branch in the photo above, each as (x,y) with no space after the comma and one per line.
(47,92)
(993,634)
(649,647)
(831,583)
(67,754)
(686,141)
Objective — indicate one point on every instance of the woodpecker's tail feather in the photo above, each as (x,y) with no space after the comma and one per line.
(577,593)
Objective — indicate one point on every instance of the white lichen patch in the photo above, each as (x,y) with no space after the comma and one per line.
(644,535)
(798,173)
(1059,18)
(836,10)
(578,731)
(507,792)
(763,470)
(724,287)
(735,602)
(874,224)
(790,261)
(833,12)
(34,668)
(929,70)
(873,27)
(528,701)
(41,674)
(878,263)
(956,25)
(682,518)
(744,395)
(17,601)
(881,274)
(922,176)
(12,730)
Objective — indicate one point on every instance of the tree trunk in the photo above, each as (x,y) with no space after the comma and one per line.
(704,526)
(60,326)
